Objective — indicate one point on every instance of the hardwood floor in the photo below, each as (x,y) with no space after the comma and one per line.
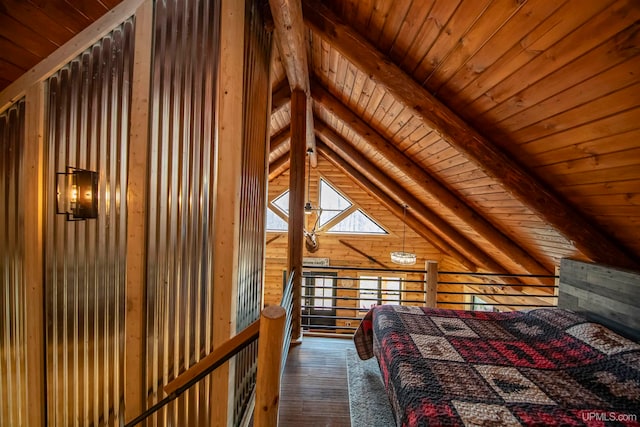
(314,389)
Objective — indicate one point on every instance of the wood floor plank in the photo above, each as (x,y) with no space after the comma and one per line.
(314,389)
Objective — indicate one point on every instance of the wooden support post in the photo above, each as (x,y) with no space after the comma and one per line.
(296,202)
(272,323)
(431,284)
(227,206)
(33,182)
(136,297)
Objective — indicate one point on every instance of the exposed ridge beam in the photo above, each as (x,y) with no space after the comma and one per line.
(393,206)
(290,40)
(427,183)
(568,221)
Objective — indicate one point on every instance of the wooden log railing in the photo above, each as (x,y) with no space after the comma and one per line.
(268,374)
(270,329)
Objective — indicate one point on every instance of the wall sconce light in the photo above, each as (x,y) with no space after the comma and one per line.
(77,194)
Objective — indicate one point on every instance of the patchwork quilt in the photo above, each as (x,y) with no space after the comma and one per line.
(462,368)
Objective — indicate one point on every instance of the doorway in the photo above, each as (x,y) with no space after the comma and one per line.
(319,301)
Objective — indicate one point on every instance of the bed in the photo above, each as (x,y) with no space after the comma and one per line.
(536,367)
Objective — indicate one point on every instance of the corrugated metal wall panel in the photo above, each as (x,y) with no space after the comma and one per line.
(85,262)
(13,375)
(181,201)
(253,197)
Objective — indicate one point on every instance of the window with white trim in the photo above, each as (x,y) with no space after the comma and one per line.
(379,290)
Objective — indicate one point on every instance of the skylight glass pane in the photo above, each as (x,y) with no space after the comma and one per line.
(358,223)
(282,202)
(332,203)
(274,222)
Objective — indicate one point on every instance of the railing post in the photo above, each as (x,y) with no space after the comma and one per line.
(556,283)
(272,321)
(431,285)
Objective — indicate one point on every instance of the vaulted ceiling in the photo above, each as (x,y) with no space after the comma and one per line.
(510,128)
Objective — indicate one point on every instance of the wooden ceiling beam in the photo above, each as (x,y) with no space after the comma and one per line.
(291,42)
(370,174)
(279,166)
(280,142)
(280,98)
(428,183)
(568,221)
(393,206)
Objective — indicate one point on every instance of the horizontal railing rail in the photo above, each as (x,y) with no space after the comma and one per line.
(334,299)
(454,289)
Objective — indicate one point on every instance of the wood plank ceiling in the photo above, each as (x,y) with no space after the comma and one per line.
(31,29)
(511,128)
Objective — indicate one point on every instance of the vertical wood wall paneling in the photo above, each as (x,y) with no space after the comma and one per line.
(87,127)
(13,329)
(181,188)
(227,206)
(138,155)
(253,201)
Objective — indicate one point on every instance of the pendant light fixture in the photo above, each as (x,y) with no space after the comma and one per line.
(402,257)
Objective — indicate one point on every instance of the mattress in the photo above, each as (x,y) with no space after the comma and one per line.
(540,367)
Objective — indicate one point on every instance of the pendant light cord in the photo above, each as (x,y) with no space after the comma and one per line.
(404,225)
(309,176)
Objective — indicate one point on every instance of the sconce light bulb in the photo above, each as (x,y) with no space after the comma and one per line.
(74,194)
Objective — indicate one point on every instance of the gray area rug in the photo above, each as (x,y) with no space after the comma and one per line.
(368,402)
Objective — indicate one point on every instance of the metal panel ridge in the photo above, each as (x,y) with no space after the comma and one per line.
(85,262)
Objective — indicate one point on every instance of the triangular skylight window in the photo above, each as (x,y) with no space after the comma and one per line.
(335,209)
(332,203)
(359,223)
(274,222)
(282,202)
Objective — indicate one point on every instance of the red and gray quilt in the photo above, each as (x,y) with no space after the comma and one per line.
(540,367)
